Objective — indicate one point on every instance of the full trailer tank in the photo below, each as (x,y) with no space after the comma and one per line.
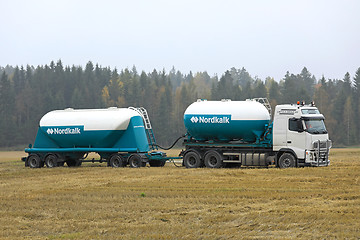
(241,132)
(121,136)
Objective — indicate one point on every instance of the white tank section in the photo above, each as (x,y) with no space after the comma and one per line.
(239,110)
(91,119)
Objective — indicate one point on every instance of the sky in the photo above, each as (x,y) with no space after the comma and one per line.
(267,38)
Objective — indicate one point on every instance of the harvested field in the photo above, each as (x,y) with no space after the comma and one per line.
(97,202)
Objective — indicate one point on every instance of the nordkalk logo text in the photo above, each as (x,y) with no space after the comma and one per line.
(224,119)
(61,131)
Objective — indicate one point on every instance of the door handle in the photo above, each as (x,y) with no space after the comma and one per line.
(289,141)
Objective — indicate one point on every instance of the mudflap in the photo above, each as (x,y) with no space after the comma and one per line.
(24,159)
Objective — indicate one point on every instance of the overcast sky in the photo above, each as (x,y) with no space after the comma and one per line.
(266,37)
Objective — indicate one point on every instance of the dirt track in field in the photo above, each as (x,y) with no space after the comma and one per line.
(97,202)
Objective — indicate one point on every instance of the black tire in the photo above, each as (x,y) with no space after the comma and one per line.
(192,160)
(213,159)
(135,161)
(287,160)
(73,162)
(156,163)
(117,160)
(51,161)
(34,161)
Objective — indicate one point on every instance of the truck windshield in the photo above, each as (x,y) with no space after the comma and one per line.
(315,126)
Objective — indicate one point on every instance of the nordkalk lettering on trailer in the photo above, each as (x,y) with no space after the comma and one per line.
(203,119)
(60,131)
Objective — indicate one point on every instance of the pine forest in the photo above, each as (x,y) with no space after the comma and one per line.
(27,93)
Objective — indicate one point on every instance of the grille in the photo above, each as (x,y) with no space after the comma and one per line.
(324,144)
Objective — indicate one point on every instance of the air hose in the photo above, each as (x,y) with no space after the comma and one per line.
(172,145)
(168,148)
(173,161)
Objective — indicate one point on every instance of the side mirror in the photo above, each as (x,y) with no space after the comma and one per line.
(300,130)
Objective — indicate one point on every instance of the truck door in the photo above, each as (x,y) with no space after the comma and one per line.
(296,137)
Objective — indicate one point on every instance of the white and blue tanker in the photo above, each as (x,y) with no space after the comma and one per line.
(219,133)
(118,135)
(241,132)
(226,120)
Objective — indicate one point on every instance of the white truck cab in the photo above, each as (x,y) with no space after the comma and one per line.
(299,130)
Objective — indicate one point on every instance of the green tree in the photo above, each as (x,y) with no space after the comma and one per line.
(7,124)
(259,89)
(348,121)
(356,104)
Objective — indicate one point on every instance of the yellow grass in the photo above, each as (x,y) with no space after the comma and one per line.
(98,202)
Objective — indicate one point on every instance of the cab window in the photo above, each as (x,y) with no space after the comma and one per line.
(310,111)
(295,125)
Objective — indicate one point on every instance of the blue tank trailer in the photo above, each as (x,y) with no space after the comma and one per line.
(118,135)
(219,133)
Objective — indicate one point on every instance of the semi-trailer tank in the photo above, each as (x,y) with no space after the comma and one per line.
(120,136)
(240,132)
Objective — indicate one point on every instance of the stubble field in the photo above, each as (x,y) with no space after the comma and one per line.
(97,202)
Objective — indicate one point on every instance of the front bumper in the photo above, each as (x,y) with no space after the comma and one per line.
(319,156)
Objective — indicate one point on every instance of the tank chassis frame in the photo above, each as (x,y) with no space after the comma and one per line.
(216,154)
(115,157)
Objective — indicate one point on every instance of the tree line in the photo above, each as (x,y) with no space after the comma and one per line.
(27,93)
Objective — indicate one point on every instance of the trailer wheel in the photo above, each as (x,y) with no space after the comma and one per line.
(287,160)
(135,161)
(34,161)
(117,161)
(213,159)
(192,160)
(156,163)
(51,161)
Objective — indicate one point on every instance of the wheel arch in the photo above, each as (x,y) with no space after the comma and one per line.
(59,156)
(281,152)
(196,150)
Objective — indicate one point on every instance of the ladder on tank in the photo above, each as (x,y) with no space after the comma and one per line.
(265,102)
(148,129)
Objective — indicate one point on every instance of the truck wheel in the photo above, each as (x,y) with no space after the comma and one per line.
(287,160)
(51,161)
(192,160)
(135,161)
(156,163)
(34,161)
(117,161)
(213,159)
